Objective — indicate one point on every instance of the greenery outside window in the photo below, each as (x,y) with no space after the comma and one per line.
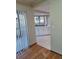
(41,20)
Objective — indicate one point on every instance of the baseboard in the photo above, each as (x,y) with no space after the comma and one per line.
(56,52)
(33,44)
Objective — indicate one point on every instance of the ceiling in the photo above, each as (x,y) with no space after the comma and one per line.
(43,7)
(30,2)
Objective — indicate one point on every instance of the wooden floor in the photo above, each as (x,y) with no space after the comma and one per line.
(38,52)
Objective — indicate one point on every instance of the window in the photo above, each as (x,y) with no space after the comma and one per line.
(21,31)
(41,20)
(18,31)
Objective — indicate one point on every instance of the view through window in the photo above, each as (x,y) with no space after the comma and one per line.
(21,32)
(41,20)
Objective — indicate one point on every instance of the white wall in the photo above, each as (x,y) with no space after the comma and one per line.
(30,21)
(56,22)
(44,41)
(40,13)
